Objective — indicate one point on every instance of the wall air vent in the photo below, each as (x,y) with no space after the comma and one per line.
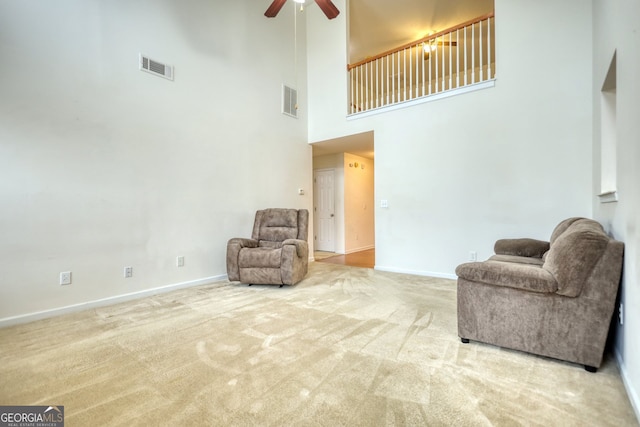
(154,67)
(289,101)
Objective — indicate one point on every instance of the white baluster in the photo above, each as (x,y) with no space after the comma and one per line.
(388,91)
(350,109)
(458,58)
(473,53)
(399,80)
(404,73)
(489,75)
(481,62)
(450,63)
(443,64)
(435,53)
(421,56)
(375,85)
(430,62)
(466,69)
(410,74)
(419,69)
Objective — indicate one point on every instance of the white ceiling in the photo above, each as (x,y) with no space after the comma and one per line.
(360,144)
(379,25)
(376,26)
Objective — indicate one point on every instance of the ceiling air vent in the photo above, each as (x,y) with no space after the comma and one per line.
(289,101)
(154,67)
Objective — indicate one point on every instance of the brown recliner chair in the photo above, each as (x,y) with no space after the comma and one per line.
(276,254)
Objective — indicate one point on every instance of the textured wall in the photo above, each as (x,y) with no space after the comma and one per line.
(104,166)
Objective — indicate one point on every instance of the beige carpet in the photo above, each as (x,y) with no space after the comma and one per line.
(346,347)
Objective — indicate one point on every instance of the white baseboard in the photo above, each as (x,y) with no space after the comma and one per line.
(30,317)
(631,391)
(416,272)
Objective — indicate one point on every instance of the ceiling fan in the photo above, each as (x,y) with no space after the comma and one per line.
(327,7)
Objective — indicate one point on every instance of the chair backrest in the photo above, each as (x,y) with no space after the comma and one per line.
(277,225)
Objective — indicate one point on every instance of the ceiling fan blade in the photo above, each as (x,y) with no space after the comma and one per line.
(328,8)
(274,8)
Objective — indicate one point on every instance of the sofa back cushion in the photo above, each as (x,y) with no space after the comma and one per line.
(574,254)
(562,227)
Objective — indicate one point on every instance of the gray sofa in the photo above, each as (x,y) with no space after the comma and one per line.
(553,299)
(277,252)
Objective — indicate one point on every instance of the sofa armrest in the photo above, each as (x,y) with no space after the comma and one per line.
(302,247)
(521,247)
(526,277)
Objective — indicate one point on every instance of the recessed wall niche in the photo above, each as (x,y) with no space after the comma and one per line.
(608,136)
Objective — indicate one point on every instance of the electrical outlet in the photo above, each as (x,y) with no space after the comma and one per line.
(128,272)
(180,261)
(621,314)
(65,278)
(473,256)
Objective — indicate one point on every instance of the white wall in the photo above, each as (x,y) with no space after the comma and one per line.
(461,172)
(104,166)
(616,30)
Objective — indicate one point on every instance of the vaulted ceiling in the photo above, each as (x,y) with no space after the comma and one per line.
(379,25)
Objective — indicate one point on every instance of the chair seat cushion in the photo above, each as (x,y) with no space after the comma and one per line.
(260,258)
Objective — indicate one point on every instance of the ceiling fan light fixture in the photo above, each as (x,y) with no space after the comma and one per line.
(428,47)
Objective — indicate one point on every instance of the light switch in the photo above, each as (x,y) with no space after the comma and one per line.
(384,203)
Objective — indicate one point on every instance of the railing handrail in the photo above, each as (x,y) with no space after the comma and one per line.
(422,40)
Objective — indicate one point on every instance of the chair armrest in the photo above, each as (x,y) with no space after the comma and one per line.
(233,251)
(508,274)
(521,247)
(302,247)
(243,243)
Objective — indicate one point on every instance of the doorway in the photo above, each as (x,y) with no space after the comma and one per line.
(344,203)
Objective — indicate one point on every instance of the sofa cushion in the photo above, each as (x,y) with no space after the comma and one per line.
(527,277)
(517,259)
(574,254)
(562,227)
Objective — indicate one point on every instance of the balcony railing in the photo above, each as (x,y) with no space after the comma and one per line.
(455,58)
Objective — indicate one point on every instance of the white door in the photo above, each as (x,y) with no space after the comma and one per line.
(324,210)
